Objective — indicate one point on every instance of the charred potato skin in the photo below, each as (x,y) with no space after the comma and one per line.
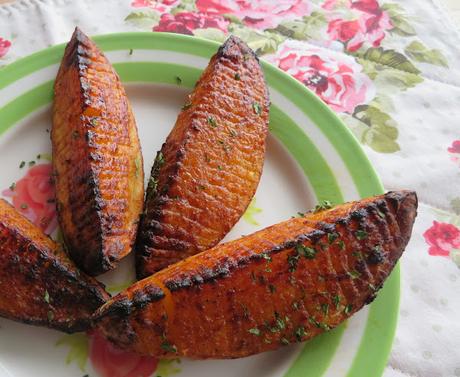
(284,284)
(39,285)
(97,159)
(210,165)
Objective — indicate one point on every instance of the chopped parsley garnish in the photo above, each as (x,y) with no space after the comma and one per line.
(325,308)
(300,333)
(292,262)
(341,244)
(187,106)
(22,164)
(237,76)
(323,205)
(31,163)
(331,237)
(254,331)
(357,254)
(46,297)
(319,325)
(336,301)
(279,322)
(152,186)
(381,214)
(24,206)
(212,122)
(178,80)
(268,269)
(159,159)
(257,108)
(295,305)
(39,156)
(348,309)
(354,274)
(168,347)
(305,251)
(361,234)
(284,341)
(376,256)
(219,167)
(266,257)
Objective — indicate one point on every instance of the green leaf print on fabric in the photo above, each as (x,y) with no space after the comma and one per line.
(420,53)
(390,58)
(251,211)
(78,351)
(144,20)
(401,26)
(307,28)
(262,42)
(185,6)
(381,133)
(211,33)
(455,204)
(455,256)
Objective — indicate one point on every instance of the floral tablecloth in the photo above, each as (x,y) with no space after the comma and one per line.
(390,69)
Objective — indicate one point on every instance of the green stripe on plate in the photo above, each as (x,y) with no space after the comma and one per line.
(25,104)
(312,360)
(383,317)
(306,154)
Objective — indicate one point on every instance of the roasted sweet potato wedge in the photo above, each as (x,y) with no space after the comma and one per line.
(284,284)
(39,284)
(97,158)
(209,167)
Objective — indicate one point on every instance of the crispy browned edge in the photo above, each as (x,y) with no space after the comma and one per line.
(39,284)
(93,250)
(165,173)
(122,309)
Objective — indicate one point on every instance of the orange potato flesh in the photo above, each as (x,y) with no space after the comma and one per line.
(39,284)
(208,169)
(284,284)
(97,159)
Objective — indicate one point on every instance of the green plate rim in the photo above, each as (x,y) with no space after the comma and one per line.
(376,341)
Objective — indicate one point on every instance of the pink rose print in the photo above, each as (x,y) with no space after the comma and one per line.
(161,6)
(33,196)
(186,22)
(336,78)
(259,14)
(442,238)
(109,361)
(4,47)
(454,149)
(370,26)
